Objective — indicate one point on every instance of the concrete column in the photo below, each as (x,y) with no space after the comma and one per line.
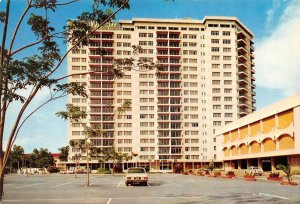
(273,168)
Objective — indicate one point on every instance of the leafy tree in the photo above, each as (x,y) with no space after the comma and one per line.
(64,153)
(41,158)
(16,156)
(77,157)
(75,115)
(40,70)
(111,155)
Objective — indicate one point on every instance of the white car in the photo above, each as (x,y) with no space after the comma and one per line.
(136,175)
(256,171)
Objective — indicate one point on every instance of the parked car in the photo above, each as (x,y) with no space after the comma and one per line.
(256,171)
(136,176)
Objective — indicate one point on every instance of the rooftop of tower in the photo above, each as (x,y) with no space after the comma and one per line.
(187,21)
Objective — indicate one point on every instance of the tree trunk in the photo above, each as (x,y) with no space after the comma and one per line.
(2,169)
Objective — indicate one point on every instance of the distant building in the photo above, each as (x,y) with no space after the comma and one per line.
(264,138)
(207,81)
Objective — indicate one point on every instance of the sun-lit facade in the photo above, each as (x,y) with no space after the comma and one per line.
(264,138)
(207,80)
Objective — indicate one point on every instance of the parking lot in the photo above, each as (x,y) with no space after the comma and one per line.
(162,188)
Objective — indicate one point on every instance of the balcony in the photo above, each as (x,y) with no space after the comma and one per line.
(252,71)
(175,77)
(243,81)
(107,49)
(242,65)
(241,50)
(243,97)
(253,93)
(242,74)
(101,40)
(253,86)
(253,78)
(240,34)
(243,90)
(241,42)
(243,104)
(242,58)
(101,56)
(252,63)
(243,114)
(162,40)
(162,33)
(252,48)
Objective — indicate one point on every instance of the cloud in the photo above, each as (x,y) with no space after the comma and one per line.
(271,12)
(278,55)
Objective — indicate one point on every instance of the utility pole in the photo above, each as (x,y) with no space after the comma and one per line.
(87,162)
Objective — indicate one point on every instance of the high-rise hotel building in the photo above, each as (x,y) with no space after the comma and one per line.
(207,80)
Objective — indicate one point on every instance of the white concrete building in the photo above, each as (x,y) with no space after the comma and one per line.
(207,81)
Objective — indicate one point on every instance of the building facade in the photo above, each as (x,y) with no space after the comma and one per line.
(207,80)
(264,138)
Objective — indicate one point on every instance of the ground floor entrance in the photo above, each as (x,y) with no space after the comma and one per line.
(266,163)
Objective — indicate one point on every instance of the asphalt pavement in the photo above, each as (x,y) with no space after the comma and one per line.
(162,188)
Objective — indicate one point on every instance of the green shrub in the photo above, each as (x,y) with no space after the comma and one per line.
(274,175)
(103,171)
(52,169)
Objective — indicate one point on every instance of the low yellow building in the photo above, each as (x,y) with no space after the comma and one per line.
(265,138)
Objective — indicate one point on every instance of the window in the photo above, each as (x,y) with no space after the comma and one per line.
(226,49)
(75,51)
(217,115)
(226,58)
(216,82)
(226,41)
(192,44)
(75,67)
(142,35)
(75,59)
(228,115)
(227,98)
(142,42)
(216,90)
(215,66)
(216,98)
(227,66)
(126,36)
(227,82)
(215,74)
(227,90)
(217,123)
(215,49)
(215,57)
(216,107)
(214,32)
(126,44)
(192,36)
(214,41)
(227,74)
(226,33)
(228,106)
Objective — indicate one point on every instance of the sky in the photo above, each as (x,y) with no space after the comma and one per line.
(274,23)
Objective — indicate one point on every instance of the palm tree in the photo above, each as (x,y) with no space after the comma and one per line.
(287,170)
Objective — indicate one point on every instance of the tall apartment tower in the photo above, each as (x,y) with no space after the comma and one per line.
(207,80)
